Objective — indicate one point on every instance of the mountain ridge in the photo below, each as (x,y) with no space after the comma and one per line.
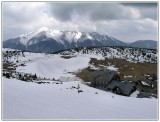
(49,40)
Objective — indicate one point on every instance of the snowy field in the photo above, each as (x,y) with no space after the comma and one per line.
(22,100)
(52,66)
(31,101)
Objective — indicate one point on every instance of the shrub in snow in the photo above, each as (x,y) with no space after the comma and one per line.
(34,77)
(79,91)
(20,76)
(4,74)
(7,75)
(73,87)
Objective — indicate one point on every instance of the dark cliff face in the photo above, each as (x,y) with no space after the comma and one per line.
(48,45)
(14,44)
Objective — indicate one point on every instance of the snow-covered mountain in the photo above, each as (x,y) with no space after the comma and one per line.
(49,40)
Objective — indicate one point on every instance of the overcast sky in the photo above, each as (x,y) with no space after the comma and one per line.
(125,21)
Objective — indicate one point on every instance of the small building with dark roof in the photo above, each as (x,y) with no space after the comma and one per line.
(146,95)
(110,81)
(103,78)
(122,88)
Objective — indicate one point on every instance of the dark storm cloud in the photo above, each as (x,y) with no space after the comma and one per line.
(61,11)
(93,11)
(103,11)
(140,4)
(64,11)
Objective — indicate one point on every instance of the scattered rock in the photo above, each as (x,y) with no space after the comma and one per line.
(96,92)
(73,87)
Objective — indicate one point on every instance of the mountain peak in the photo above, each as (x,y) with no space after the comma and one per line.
(43,29)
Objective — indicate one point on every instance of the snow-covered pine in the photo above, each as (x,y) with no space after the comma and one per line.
(129,54)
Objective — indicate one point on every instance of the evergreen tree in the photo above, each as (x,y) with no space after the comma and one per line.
(7,75)
(35,77)
(20,76)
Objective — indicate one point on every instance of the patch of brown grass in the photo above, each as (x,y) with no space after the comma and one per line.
(84,74)
(125,68)
(7,65)
(137,70)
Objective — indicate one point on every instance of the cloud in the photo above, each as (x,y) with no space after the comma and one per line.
(21,13)
(141,4)
(103,11)
(147,9)
(21,17)
(92,11)
(126,22)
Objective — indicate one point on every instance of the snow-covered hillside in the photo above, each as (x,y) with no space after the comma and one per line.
(129,54)
(24,101)
(50,65)
(54,66)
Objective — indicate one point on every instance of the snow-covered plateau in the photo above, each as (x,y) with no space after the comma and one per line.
(62,101)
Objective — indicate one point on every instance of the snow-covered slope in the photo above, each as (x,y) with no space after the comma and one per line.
(49,33)
(57,35)
(129,54)
(31,101)
(49,65)
(54,66)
